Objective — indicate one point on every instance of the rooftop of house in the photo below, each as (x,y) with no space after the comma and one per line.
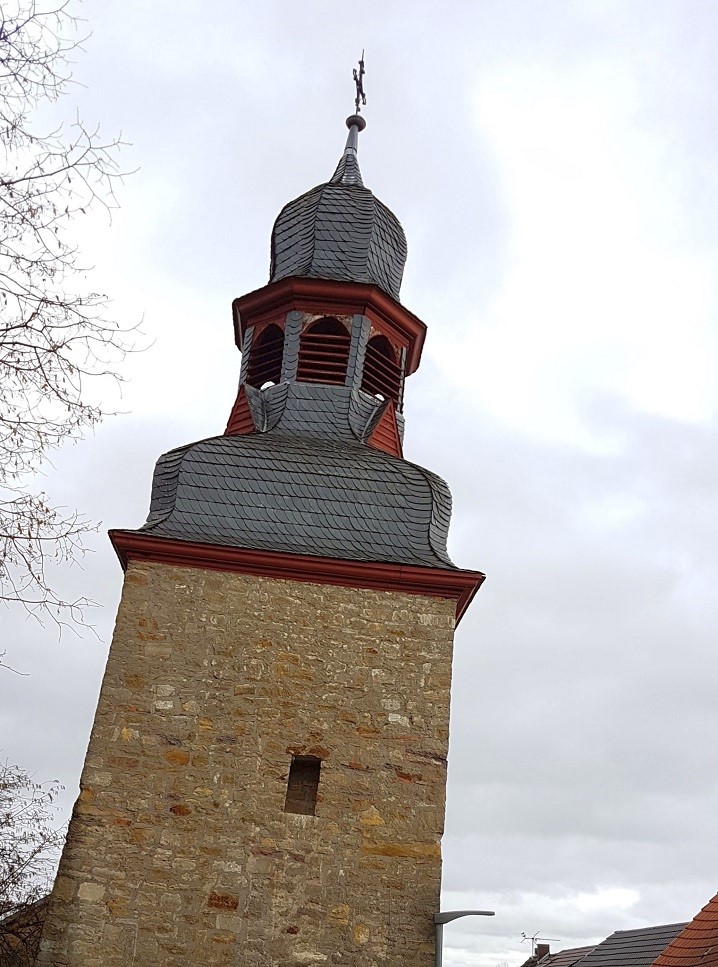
(624,948)
(697,944)
(565,958)
(632,948)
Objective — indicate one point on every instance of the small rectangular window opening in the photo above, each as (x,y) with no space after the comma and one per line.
(302,785)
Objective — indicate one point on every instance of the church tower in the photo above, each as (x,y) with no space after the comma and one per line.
(265,779)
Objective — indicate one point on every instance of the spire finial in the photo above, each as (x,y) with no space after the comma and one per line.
(355,122)
(347,172)
(359,83)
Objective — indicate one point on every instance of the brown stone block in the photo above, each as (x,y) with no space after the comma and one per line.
(89,813)
(371,817)
(245,690)
(223,901)
(357,766)
(143,635)
(180,809)
(361,933)
(415,850)
(134,714)
(64,888)
(134,681)
(124,763)
(339,914)
(118,906)
(177,757)
(408,776)
(136,578)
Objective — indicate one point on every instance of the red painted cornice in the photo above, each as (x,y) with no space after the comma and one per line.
(459,586)
(324,297)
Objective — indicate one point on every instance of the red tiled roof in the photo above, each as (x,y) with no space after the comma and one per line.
(697,944)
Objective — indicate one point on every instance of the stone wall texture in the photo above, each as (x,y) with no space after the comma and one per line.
(179,850)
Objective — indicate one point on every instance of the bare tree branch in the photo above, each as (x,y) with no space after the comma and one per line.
(30,845)
(55,338)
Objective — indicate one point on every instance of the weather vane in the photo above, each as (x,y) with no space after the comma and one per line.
(359,81)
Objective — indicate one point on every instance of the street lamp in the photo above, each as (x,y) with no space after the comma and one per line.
(446,917)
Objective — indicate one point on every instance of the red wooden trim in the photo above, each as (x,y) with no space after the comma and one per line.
(385,435)
(240,419)
(328,298)
(459,586)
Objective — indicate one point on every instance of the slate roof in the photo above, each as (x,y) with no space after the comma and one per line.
(565,958)
(697,944)
(339,230)
(268,492)
(632,948)
(306,485)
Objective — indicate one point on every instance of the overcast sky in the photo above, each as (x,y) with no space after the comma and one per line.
(555,167)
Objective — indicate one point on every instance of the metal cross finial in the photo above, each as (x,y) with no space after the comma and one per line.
(359,81)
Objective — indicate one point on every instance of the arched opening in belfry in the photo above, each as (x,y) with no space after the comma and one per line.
(265,357)
(324,352)
(382,374)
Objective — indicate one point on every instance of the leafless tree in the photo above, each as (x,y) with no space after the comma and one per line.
(30,844)
(55,338)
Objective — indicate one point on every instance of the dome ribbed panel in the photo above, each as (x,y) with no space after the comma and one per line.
(293,244)
(339,231)
(388,237)
(343,234)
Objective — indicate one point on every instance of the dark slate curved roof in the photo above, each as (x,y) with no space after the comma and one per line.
(301,496)
(340,231)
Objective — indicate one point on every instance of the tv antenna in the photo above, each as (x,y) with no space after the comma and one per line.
(535,939)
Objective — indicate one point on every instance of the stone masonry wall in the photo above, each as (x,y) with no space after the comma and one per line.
(180,852)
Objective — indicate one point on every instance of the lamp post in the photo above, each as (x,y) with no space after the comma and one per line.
(446,917)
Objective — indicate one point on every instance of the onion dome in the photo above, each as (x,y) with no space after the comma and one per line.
(340,231)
